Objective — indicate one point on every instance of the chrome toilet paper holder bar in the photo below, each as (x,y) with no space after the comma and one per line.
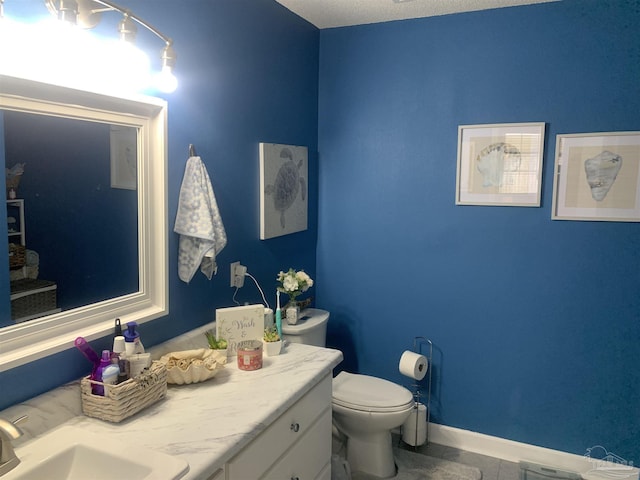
(418,344)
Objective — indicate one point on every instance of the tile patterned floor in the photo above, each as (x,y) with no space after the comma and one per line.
(491,468)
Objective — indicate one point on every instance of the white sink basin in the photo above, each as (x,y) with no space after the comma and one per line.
(70,453)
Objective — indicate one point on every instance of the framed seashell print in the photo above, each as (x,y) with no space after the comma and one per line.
(597,177)
(500,164)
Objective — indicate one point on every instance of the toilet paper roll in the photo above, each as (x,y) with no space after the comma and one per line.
(413,365)
(414,428)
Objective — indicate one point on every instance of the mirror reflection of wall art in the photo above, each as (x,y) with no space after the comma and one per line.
(283,189)
(597,177)
(124,157)
(500,164)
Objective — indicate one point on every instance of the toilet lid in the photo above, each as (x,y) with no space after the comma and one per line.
(363,392)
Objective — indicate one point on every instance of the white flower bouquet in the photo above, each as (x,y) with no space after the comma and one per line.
(293,283)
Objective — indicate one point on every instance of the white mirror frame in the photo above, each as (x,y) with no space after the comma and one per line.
(25,342)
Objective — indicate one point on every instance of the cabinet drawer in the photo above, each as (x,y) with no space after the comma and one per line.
(278,438)
(308,457)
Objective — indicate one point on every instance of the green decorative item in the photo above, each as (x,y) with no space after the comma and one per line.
(216,343)
(272,341)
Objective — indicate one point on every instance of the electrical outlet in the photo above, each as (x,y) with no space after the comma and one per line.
(237,274)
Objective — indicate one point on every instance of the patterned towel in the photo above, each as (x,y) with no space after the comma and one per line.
(198,221)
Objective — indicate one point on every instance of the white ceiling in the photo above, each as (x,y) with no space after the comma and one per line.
(340,13)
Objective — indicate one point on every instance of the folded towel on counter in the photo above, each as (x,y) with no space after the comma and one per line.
(198,221)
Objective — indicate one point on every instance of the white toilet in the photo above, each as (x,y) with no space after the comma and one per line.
(365,408)
(311,328)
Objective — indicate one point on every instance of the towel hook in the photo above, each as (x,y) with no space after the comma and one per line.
(192,150)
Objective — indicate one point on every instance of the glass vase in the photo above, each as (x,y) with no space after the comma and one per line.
(292,312)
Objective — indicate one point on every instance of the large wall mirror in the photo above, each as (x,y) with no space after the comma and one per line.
(90,211)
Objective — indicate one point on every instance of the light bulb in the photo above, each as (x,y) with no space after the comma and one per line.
(166,81)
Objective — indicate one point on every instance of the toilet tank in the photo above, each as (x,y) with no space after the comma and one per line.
(311,328)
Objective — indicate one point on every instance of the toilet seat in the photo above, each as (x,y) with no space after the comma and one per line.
(370,394)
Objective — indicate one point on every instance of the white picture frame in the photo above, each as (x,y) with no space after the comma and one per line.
(124,157)
(284,196)
(500,164)
(597,177)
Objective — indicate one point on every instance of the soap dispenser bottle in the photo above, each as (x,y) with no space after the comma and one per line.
(132,341)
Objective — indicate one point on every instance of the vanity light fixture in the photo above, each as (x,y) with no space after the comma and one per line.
(127,29)
(86,14)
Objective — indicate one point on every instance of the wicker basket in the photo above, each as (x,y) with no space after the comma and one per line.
(127,398)
(32,297)
(17,255)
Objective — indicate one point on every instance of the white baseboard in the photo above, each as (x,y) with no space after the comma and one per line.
(515,452)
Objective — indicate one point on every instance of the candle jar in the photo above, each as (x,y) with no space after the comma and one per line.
(249,355)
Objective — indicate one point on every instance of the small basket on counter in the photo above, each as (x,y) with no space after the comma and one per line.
(127,398)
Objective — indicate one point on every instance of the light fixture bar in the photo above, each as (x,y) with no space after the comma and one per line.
(112,6)
(87,12)
(68,5)
(127,29)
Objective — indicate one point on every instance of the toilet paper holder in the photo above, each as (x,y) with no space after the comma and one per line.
(417,387)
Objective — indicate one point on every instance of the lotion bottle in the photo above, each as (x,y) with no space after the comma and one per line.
(110,376)
(119,358)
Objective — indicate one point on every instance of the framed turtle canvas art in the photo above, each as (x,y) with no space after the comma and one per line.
(500,164)
(597,177)
(283,189)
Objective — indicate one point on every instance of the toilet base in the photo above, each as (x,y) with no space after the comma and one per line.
(372,454)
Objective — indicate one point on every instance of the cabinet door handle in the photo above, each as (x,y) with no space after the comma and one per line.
(295,427)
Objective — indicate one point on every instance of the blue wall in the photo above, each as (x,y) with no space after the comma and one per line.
(67,195)
(536,322)
(248,73)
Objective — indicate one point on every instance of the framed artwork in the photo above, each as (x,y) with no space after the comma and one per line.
(500,164)
(284,202)
(124,157)
(597,177)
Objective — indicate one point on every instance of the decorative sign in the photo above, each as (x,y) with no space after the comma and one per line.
(237,324)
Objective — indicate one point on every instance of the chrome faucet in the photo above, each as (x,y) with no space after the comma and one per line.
(9,431)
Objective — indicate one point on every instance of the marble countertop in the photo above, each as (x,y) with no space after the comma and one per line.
(207,423)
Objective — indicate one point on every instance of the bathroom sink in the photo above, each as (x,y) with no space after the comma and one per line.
(71,453)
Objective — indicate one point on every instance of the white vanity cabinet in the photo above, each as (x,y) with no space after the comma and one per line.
(271,423)
(295,446)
